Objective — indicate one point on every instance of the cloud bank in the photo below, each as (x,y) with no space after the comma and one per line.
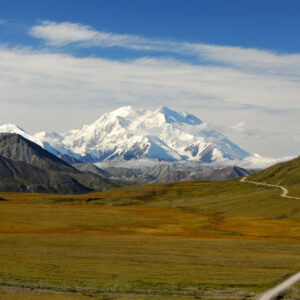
(251,95)
(58,34)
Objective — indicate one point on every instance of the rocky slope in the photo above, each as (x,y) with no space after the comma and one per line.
(170,172)
(18,148)
(26,167)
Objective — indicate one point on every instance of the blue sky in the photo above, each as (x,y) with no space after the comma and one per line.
(234,63)
(265,24)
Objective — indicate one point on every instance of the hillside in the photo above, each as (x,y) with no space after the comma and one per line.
(27,167)
(17,176)
(162,172)
(286,174)
(18,148)
(208,240)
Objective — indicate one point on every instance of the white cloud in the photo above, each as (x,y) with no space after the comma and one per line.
(58,34)
(242,129)
(239,127)
(63,33)
(259,162)
(252,162)
(297,138)
(265,61)
(133,164)
(48,91)
(149,79)
(2,21)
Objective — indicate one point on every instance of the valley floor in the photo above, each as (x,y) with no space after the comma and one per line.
(208,240)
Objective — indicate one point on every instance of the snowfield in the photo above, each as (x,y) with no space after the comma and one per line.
(127,134)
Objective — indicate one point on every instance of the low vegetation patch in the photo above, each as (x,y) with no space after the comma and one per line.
(208,240)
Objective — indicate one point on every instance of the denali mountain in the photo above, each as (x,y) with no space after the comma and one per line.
(27,167)
(127,134)
(175,144)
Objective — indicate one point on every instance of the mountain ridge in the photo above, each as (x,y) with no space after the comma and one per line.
(18,148)
(172,172)
(27,167)
(128,134)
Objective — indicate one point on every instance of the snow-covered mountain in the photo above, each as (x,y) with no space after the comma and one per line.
(12,128)
(126,134)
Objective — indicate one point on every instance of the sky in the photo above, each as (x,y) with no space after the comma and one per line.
(234,64)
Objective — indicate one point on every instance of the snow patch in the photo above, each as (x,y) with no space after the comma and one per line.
(130,134)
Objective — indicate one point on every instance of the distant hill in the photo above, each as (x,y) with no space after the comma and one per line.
(27,167)
(286,174)
(92,168)
(17,176)
(18,148)
(174,172)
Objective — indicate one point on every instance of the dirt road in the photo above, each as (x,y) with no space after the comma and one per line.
(284,190)
(281,288)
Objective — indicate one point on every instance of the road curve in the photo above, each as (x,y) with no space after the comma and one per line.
(281,288)
(284,190)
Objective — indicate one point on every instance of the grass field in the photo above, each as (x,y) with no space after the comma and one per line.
(208,240)
(294,293)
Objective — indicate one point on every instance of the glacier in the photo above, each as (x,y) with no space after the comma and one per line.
(131,134)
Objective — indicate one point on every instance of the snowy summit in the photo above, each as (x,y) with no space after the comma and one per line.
(127,133)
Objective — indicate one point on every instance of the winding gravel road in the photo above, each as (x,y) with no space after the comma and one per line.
(281,288)
(284,190)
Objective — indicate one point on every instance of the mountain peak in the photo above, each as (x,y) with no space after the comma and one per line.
(128,133)
(172,116)
(123,111)
(11,128)
(164,109)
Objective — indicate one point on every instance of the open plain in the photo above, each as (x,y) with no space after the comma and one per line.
(208,240)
